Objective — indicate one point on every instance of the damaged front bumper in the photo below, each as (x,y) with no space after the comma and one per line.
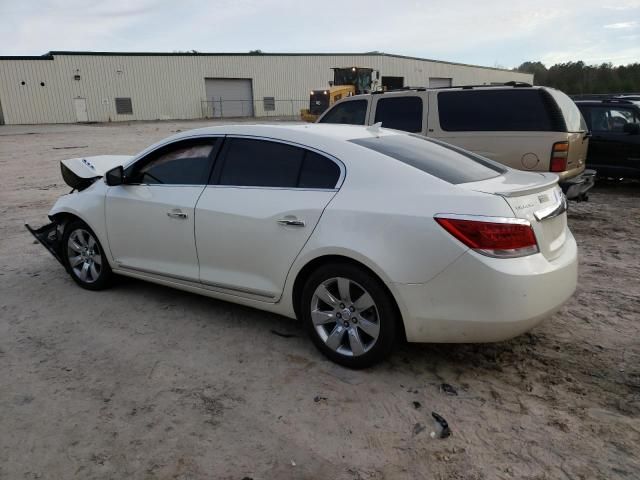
(50,236)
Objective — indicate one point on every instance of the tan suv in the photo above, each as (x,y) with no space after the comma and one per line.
(524,127)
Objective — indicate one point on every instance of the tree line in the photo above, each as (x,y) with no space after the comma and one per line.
(576,78)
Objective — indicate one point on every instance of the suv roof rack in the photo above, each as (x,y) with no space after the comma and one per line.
(465,87)
(604,99)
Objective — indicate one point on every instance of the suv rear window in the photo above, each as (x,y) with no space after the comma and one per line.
(494,110)
(400,113)
(439,159)
(352,112)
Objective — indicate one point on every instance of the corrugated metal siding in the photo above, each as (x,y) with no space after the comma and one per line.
(172,87)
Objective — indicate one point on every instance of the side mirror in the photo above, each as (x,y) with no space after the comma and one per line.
(631,128)
(115,176)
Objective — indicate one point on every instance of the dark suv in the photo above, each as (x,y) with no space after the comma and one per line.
(614,148)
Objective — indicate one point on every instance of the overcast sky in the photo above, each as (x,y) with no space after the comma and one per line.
(487,32)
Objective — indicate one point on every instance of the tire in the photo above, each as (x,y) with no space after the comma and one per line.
(84,257)
(349,314)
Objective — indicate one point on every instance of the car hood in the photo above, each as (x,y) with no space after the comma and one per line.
(92,167)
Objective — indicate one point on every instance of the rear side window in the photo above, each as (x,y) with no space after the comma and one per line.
(353,112)
(401,113)
(262,163)
(439,159)
(494,110)
(318,172)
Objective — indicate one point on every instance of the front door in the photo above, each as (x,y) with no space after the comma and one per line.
(150,219)
(265,200)
(80,107)
(612,151)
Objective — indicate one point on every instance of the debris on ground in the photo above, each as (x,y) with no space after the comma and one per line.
(70,147)
(448,389)
(418,428)
(318,399)
(442,427)
(417,405)
(283,335)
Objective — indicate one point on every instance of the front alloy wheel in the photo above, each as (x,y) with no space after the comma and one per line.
(85,257)
(350,315)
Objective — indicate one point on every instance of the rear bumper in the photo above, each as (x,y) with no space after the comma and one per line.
(482,299)
(576,188)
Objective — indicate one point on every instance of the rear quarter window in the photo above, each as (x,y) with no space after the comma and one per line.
(446,162)
(572,117)
(495,110)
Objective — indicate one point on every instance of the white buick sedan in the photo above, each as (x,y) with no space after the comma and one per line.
(365,234)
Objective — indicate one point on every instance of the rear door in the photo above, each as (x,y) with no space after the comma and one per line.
(263,203)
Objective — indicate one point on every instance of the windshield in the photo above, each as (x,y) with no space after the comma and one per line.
(444,161)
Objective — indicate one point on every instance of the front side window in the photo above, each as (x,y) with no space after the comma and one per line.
(183,163)
(611,119)
(263,163)
(495,110)
(352,112)
(401,113)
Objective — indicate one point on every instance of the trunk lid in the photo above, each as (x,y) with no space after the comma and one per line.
(535,197)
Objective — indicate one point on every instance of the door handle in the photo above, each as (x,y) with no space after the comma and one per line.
(290,222)
(177,214)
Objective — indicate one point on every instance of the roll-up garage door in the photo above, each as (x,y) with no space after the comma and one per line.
(229,97)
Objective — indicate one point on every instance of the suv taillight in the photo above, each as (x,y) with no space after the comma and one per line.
(559,156)
(492,236)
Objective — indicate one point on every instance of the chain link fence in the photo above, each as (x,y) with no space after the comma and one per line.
(268,107)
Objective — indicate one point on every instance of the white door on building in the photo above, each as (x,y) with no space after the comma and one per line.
(439,82)
(80,106)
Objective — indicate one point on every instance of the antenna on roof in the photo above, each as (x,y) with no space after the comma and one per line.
(375,128)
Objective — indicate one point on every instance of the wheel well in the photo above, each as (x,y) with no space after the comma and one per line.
(316,263)
(64,217)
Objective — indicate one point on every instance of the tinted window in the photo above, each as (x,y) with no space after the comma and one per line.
(318,172)
(402,113)
(610,119)
(186,163)
(439,159)
(352,112)
(494,110)
(260,163)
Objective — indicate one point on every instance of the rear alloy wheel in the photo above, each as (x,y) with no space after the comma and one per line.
(350,315)
(85,257)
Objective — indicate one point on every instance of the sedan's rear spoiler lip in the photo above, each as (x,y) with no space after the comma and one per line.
(533,189)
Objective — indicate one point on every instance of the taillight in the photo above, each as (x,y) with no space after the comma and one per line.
(559,156)
(492,236)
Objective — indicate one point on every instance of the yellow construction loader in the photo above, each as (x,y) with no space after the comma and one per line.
(346,82)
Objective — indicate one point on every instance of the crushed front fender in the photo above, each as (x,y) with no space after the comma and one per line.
(50,236)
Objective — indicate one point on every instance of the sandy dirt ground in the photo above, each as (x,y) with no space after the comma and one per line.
(146,382)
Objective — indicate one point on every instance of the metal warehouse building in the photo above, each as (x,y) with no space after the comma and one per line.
(69,87)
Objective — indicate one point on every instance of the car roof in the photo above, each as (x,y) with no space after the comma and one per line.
(298,132)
